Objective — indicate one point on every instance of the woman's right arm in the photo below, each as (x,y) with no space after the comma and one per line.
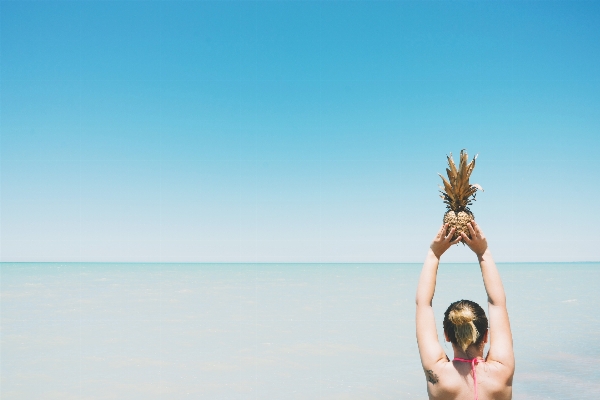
(427,339)
(501,345)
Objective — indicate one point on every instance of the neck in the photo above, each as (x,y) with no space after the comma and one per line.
(472,352)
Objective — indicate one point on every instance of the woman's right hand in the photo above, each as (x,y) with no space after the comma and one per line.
(442,242)
(478,242)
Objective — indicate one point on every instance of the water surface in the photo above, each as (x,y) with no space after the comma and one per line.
(274,331)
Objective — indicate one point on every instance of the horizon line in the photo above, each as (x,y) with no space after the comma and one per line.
(285,262)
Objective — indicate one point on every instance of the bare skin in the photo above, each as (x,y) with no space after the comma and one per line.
(453,379)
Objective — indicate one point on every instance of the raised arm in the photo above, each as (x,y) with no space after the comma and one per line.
(430,349)
(501,346)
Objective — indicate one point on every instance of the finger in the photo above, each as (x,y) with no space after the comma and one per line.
(465,238)
(477,228)
(442,230)
(450,234)
(470,226)
(439,232)
(455,241)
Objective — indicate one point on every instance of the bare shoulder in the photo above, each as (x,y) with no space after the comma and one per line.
(441,380)
(503,374)
(433,371)
(495,380)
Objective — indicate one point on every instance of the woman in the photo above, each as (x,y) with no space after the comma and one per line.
(469,375)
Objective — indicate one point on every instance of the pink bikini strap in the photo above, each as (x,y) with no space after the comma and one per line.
(473,362)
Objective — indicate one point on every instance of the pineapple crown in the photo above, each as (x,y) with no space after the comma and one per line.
(457,193)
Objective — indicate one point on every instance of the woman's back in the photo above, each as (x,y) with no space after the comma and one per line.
(455,381)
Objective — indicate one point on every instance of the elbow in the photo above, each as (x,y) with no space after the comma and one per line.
(420,301)
(498,301)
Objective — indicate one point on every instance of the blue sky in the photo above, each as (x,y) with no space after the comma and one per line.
(295,131)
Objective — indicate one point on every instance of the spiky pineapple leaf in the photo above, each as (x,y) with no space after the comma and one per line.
(457,191)
(452,166)
(447,186)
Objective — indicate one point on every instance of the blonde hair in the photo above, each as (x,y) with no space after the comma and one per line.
(462,316)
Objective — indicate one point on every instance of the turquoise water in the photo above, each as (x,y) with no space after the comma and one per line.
(274,331)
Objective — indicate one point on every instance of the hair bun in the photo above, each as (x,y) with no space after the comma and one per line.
(461,316)
(465,331)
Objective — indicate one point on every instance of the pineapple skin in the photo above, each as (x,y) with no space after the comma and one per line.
(459,222)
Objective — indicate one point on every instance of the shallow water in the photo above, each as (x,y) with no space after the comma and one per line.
(274,331)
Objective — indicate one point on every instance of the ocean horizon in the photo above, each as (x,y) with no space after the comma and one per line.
(275,330)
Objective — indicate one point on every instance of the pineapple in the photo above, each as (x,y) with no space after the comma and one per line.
(458,194)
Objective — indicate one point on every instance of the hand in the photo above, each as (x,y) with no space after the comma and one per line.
(442,242)
(478,242)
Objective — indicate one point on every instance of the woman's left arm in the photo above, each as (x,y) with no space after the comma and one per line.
(430,349)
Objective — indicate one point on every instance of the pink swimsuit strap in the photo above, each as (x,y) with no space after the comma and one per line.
(474,362)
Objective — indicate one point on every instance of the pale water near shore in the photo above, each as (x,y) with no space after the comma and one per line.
(275,331)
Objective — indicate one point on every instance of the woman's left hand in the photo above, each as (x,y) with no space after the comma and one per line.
(442,242)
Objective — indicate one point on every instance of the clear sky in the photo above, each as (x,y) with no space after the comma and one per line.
(295,131)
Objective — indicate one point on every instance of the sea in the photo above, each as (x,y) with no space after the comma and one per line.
(275,331)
